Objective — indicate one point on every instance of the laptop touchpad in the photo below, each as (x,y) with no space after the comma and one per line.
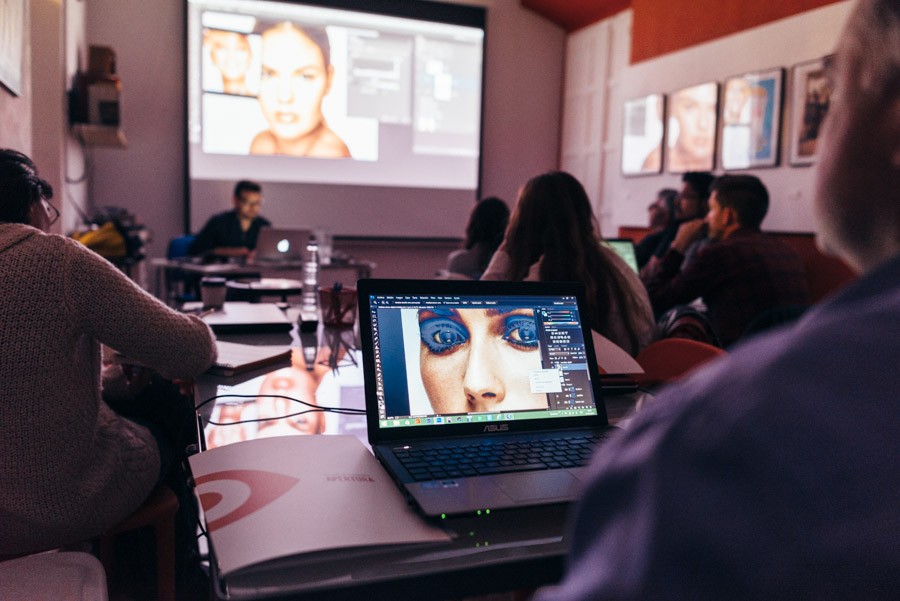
(534,486)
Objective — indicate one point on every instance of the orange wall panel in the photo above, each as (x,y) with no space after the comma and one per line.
(662,26)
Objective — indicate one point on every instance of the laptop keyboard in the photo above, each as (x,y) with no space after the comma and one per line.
(465,459)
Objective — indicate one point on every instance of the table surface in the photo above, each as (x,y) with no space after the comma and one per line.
(507,550)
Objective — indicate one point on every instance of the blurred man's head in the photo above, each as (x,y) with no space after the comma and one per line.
(247,199)
(662,211)
(736,201)
(691,202)
(857,198)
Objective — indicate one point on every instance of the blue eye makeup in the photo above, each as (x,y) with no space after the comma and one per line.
(441,335)
(521,331)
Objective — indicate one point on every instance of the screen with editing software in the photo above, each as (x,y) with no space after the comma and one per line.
(457,359)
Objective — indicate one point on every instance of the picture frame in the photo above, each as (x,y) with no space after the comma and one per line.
(691,128)
(643,128)
(750,120)
(811,90)
(12,26)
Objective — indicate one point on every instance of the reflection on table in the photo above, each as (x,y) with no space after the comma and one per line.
(325,372)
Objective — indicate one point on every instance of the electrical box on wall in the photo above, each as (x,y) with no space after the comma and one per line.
(95,99)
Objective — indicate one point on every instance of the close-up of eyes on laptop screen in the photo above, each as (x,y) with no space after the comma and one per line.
(453,359)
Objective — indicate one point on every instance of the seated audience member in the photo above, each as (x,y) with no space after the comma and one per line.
(553,237)
(233,233)
(691,204)
(742,274)
(484,233)
(72,466)
(661,219)
(773,473)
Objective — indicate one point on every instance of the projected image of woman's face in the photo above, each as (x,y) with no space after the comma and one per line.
(479,359)
(295,79)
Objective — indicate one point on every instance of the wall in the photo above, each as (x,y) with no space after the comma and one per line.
(15,111)
(661,27)
(521,128)
(623,201)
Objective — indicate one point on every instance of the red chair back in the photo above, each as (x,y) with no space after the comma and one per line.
(672,358)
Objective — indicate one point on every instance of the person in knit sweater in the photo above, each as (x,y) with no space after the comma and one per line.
(72,467)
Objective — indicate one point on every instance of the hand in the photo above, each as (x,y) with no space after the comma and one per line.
(688,233)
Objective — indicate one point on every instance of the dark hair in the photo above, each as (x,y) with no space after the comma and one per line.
(700,181)
(318,35)
(668,196)
(20,186)
(246,185)
(745,195)
(553,219)
(486,227)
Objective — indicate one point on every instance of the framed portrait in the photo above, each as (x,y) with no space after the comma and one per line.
(12,25)
(642,135)
(811,90)
(691,129)
(751,120)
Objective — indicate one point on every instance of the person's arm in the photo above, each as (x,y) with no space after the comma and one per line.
(206,239)
(669,285)
(116,312)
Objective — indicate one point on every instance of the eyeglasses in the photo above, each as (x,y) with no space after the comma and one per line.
(52,212)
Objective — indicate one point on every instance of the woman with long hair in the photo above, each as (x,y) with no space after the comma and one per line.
(553,236)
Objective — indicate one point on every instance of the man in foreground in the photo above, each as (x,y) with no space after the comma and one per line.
(772,474)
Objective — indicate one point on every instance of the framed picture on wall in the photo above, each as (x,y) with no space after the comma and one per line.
(810,98)
(642,135)
(691,128)
(12,24)
(751,120)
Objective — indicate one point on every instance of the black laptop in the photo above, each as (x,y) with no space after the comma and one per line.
(480,395)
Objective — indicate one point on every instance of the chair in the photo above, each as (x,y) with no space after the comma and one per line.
(158,512)
(672,358)
(178,249)
(59,575)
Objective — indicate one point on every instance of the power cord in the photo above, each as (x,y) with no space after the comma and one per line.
(312,408)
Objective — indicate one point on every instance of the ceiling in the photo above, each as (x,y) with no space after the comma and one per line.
(575,14)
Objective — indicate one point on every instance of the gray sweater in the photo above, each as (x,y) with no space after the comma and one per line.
(69,466)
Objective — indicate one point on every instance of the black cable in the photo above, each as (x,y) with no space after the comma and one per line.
(312,408)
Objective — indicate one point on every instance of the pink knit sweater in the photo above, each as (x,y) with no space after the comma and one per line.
(69,466)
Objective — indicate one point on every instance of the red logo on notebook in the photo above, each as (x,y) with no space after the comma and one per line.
(260,488)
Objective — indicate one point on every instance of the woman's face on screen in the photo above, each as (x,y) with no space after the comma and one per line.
(295,79)
(479,359)
(290,382)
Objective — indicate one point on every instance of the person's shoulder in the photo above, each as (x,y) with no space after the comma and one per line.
(264,143)
(330,145)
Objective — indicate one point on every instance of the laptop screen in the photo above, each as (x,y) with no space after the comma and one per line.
(442,359)
(624,247)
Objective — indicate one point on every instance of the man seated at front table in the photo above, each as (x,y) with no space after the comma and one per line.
(742,273)
(773,473)
(233,233)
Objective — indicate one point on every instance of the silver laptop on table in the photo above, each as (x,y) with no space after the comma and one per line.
(480,395)
(624,247)
(281,246)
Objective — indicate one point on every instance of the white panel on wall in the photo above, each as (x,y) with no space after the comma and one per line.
(584,119)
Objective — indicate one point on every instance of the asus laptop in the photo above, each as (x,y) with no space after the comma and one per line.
(281,246)
(480,395)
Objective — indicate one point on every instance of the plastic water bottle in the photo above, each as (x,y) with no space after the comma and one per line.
(309,301)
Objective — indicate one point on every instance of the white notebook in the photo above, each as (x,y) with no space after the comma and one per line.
(237,358)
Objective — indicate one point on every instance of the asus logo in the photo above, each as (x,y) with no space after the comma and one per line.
(497,428)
